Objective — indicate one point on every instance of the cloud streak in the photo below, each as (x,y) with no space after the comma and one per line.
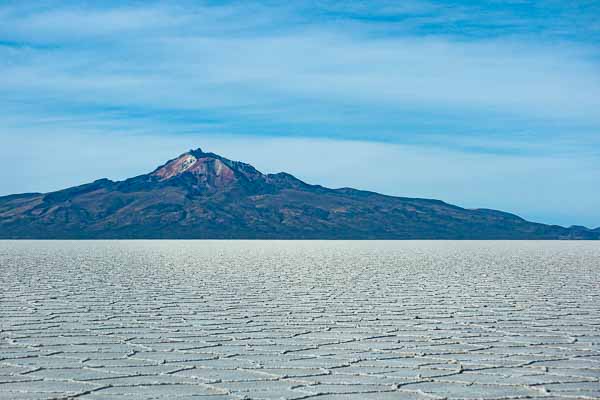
(149,58)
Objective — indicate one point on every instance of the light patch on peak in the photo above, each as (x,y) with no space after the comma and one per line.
(186,162)
(176,167)
(219,167)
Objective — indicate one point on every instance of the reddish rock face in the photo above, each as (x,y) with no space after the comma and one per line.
(213,171)
(208,170)
(176,167)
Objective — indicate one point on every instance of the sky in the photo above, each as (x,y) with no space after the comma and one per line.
(489,104)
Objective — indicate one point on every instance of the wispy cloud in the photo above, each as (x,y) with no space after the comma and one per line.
(177,58)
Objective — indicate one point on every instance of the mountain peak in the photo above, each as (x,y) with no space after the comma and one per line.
(207,169)
(204,167)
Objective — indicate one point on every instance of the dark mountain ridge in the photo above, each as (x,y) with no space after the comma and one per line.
(201,195)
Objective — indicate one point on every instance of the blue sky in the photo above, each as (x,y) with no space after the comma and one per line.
(479,103)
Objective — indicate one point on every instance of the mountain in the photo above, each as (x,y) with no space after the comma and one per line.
(203,195)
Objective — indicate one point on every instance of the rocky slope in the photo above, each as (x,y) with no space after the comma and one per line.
(204,195)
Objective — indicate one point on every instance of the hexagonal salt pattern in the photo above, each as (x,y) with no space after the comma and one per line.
(215,320)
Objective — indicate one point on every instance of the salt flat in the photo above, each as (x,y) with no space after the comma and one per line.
(275,319)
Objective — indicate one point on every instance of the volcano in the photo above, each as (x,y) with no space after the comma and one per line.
(201,195)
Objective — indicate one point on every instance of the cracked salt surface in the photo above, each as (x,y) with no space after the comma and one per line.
(215,320)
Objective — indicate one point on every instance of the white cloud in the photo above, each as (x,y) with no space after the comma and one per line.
(180,58)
